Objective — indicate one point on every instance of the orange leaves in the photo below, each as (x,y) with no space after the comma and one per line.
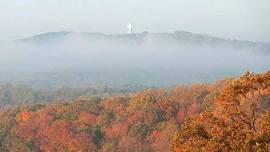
(240,100)
(45,117)
(116,131)
(193,109)
(25,128)
(30,122)
(87,118)
(64,136)
(143,100)
(25,115)
(180,116)
(136,117)
(161,139)
(116,104)
(235,123)
(49,134)
(144,121)
(211,118)
(168,106)
(155,134)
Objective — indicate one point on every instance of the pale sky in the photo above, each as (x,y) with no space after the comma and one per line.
(234,19)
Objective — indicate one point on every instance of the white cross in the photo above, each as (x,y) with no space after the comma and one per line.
(130,28)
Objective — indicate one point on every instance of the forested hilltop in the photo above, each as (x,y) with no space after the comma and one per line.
(227,115)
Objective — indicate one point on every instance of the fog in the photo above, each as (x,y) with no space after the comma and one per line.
(77,59)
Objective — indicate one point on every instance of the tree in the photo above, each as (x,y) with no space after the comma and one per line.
(234,124)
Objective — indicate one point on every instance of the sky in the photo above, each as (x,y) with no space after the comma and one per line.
(233,19)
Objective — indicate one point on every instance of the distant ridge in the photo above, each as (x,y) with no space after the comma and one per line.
(175,37)
(68,58)
(178,34)
(49,36)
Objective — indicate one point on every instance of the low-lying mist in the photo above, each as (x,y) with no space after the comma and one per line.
(77,59)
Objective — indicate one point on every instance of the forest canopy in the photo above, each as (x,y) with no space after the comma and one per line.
(228,115)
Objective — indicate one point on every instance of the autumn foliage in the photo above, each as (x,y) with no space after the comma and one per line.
(227,115)
(239,120)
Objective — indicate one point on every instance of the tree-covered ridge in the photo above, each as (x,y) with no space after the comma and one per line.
(238,121)
(142,121)
(18,95)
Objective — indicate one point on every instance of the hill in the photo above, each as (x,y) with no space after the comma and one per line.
(178,37)
(69,59)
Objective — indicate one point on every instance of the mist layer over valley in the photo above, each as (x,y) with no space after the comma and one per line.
(53,60)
